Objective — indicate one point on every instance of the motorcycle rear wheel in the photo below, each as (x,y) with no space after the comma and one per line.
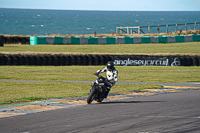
(91,96)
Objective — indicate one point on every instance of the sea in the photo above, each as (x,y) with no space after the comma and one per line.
(81,22)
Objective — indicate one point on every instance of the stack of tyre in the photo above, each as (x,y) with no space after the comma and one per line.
(82,60)
(54,60)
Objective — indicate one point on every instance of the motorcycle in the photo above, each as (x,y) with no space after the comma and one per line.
(98,91)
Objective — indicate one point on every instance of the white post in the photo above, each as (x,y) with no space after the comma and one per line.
(149,29)
(127,30)
(166,28)
(185,27)
(138,29)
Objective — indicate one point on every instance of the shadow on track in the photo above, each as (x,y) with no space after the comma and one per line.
(115,102)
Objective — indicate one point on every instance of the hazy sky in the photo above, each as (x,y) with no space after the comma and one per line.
(116,5)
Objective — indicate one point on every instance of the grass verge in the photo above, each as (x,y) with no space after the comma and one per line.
(189,48)
(18,92)
(166,74)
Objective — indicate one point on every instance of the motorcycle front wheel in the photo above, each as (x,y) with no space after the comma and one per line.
(91,96)
(100,100)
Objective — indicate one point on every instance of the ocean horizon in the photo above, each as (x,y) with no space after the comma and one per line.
(64,22)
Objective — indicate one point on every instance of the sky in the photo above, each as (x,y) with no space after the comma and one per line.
(108,5)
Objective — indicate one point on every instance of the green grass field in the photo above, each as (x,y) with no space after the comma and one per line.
(16,92)
(170,48)
(126,73)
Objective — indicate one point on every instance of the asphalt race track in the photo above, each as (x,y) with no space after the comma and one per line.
(169,112)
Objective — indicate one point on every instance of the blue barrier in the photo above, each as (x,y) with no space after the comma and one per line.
(128,40)
(92,40)
(114,40)
(145,39)
(180,39)
(162,39)
(196,38)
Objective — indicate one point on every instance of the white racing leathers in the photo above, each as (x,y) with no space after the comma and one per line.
(110,75)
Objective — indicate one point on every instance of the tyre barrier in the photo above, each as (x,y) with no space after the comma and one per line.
(1,41)
(16,40)
(88,60)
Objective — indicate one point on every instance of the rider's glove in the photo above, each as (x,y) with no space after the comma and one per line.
(97,73)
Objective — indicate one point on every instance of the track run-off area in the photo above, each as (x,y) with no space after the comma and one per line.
(39,106)
(173,108)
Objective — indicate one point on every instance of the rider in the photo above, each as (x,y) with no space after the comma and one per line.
(111,75)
